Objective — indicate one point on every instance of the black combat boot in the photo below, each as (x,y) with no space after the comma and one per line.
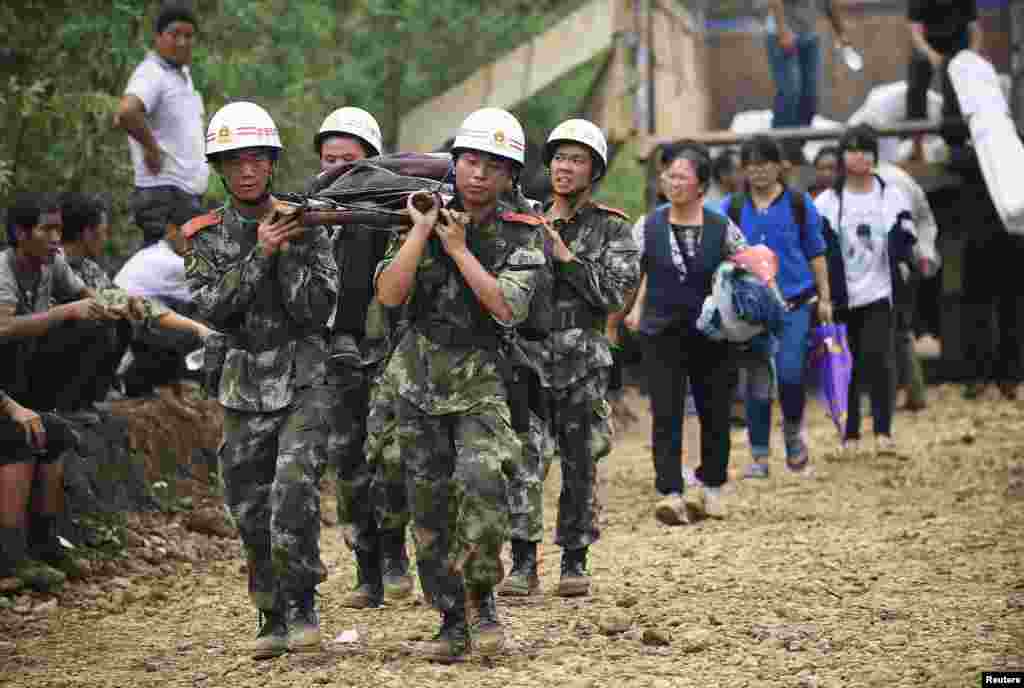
(451,644)
(369,591)
(575,582)
(488,635)
(522,580)
(303,622)
(394,563)
(272,638)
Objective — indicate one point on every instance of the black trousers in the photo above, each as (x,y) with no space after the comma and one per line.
(919,77)
(869,329)
(993,301)
(73,365)
(673,357)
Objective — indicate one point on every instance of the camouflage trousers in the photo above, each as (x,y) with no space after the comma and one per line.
(583,435)
(457,496)
(388,491)
(271,464)
(371,494)
(526,481)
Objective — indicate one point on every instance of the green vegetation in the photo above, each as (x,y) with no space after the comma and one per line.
(64,66)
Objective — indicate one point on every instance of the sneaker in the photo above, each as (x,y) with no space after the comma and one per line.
(1008,390)
(672,510)
(885,445)
(690,477)
(850,448)
(708,502)
(756,470)
(799,464)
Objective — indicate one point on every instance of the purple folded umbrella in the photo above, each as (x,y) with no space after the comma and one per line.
(831,367)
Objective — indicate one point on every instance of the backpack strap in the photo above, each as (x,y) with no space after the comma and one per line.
(736,203)
(799,205)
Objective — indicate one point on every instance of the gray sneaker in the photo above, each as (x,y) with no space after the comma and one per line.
(756,470)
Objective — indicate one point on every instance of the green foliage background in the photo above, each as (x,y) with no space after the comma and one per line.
(66,64)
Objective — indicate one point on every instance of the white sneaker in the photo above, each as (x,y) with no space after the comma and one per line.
(714,506)
(672,510)
(885,445)
(706,502)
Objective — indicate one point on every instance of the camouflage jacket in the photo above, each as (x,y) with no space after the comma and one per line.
(90,272)
(596,282)
(273,309)
(441,378)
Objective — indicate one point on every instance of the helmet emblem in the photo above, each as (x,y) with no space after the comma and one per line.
(224,134)
(499,137)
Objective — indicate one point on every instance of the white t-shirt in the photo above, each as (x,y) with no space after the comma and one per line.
(155,272)
(174,113)
(863,237)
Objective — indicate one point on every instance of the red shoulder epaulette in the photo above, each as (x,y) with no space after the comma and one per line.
(196,224)
(613,211)
(522,217)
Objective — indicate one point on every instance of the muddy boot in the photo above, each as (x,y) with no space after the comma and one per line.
(451,644)
(488,635)
(15,564)
(522,580)
(575,582)
(272,638)
(394,563)
(369,589)
(303,622)
(44,545)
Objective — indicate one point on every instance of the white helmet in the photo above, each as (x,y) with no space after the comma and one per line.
(354,122)
(241,125)
(579,131)
(495,131)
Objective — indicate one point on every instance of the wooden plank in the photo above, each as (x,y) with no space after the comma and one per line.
(515,77)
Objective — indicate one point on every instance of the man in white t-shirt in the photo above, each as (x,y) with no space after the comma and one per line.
(870,232)
(163,115)
(158,272)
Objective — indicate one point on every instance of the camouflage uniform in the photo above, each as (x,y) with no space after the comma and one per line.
(577,357)
(390,501)
(273,389)
(454,426)
(526,481)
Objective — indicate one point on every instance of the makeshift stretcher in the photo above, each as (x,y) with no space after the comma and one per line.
(996,141)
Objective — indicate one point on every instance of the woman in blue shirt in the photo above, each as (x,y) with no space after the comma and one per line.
(786,221)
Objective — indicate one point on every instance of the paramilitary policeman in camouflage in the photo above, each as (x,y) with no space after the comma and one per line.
(468,273)
(270,286)
(596,265)
(357,356)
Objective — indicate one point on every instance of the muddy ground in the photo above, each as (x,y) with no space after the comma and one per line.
(878,571)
